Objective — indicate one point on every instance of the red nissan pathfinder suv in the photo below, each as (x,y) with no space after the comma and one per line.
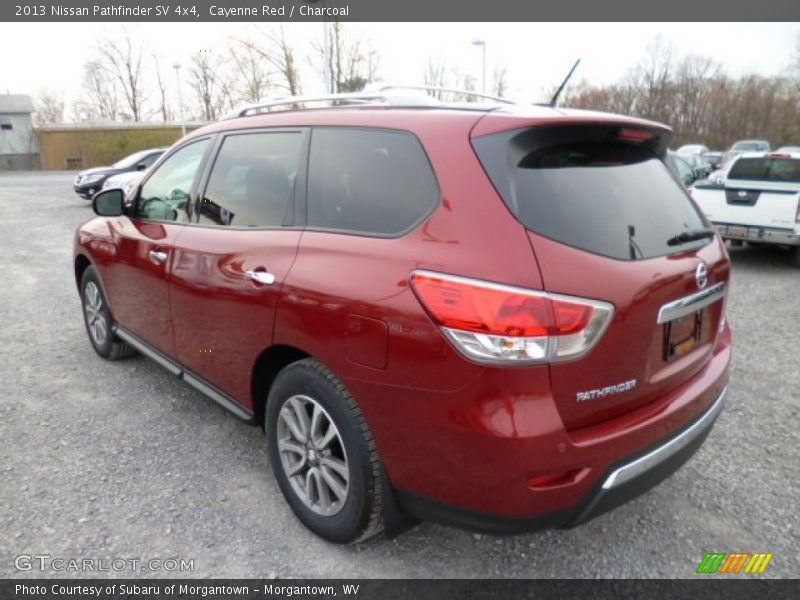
(494,316)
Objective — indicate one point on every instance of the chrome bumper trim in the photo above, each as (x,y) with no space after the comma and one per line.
(653,458)
(689,304)
(785,237)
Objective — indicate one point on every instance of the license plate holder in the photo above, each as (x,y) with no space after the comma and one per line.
(737,232)
(683,335)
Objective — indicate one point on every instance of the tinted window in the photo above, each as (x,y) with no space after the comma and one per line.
(766,169)
(252,181)
(369,181)
(148,160)
(614,199)
(165,195)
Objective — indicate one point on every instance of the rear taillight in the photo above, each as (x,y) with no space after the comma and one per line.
(496,323)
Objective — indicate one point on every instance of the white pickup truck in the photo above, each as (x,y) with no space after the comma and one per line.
(758,200)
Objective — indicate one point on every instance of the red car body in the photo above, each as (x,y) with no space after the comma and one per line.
(491,447)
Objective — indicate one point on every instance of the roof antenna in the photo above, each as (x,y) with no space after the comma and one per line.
(554,99)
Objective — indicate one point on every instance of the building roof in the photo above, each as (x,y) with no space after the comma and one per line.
(15,103)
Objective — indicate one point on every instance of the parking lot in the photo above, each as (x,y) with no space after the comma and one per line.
(122,460)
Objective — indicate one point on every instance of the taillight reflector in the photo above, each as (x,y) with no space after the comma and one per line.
(494,322)
(635,135)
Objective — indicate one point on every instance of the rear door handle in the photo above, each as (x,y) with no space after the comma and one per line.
(262,277)
(158,256)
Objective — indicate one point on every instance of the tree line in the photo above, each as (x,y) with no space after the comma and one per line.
(699,100)
(691,93)
(123,82)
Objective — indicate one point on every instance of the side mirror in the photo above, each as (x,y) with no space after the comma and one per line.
(109,203)
(141,167)
(689,177)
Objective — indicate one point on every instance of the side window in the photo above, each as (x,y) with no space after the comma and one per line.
(165,196)
(252,181)
(150,159)
(368,181)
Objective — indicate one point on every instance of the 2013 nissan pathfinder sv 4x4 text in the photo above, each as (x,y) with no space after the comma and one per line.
(493,316)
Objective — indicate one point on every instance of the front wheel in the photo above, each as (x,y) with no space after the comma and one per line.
(323,454)
(98,320)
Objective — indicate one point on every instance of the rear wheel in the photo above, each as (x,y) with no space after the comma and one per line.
(98,320)
(323,454)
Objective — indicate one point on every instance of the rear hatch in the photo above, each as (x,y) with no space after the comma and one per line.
(607,221)
(761,191)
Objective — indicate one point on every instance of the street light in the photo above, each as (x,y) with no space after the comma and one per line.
(482,44)
(177,68)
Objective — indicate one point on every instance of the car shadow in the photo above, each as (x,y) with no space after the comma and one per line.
(762,257)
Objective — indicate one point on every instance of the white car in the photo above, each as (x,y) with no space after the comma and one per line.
(124,181)
(692,150)
(758,201)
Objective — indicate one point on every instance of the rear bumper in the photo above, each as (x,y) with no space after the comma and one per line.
(750,233)
(627,479)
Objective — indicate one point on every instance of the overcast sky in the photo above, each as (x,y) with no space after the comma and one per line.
(537,55)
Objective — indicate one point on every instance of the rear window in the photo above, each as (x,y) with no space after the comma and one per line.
(610,198)
(766,169)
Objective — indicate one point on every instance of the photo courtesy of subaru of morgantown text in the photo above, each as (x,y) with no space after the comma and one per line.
(489,315)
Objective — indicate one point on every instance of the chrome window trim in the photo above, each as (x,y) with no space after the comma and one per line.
(689,304)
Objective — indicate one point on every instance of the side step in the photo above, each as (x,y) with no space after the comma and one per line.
(193,380)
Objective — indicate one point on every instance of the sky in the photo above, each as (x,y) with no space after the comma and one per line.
(537,56)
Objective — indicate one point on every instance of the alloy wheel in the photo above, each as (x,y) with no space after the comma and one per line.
(95,314)
(312,455)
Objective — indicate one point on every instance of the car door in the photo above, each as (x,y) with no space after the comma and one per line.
(230,263)
(137,280)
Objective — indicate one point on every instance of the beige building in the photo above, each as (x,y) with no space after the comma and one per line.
(80,146)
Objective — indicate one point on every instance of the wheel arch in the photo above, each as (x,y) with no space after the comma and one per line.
(266,367)
(81,264)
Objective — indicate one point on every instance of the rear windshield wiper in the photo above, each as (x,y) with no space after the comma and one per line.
(690,236)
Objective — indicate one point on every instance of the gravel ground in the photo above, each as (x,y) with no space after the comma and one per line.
(121,460)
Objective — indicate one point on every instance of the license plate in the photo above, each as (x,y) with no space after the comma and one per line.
(737,232)
(683,335)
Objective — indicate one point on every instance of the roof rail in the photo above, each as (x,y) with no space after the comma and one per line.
(375,95)
(383,87)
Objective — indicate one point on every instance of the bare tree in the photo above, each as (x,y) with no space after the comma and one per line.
(49,108)
(122,60)
(278,62)
(163,104)
(210,80)
(352,62)
(251,69)
(99,94)
(653,76)
(500,81)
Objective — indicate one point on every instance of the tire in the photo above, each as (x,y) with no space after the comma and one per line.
(98,320)
(354,509)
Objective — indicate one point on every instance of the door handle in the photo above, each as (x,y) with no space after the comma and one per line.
(262,277)
(158,256)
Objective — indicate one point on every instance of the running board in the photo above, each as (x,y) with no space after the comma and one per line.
(193,380)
